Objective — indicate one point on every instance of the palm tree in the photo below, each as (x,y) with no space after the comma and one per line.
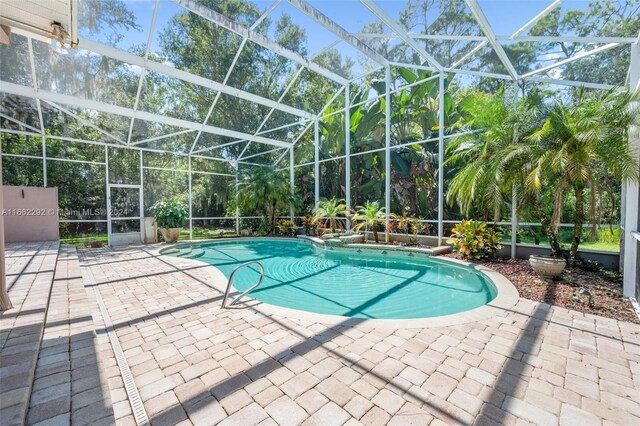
(576,142)
(489,158)
(331,209)
(370,215)
(265,191)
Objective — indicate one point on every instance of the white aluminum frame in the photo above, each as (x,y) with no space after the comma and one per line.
(111,219)
(307,119)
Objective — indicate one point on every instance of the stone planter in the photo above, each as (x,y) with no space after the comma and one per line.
(170,235)
(547,266)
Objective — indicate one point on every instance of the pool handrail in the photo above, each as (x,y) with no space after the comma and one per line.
(249,290)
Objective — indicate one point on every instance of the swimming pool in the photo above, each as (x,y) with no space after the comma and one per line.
(301,276)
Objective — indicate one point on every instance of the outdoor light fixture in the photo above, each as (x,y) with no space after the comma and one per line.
(58,37)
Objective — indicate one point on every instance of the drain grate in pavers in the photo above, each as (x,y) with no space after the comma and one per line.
(139,412)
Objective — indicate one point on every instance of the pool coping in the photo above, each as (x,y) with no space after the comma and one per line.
(507,296)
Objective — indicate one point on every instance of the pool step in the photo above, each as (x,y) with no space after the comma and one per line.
(171,251)
(184,251)
(196,252)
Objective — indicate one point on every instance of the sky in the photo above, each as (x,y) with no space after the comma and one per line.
(505,16)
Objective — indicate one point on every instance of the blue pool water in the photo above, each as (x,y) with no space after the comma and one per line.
(299,275)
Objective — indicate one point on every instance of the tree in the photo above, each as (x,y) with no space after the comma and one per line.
(488,159)
(331,209)
(263,190)
(576,141)
(370,216)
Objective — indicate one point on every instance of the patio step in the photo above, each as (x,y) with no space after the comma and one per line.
(31,269)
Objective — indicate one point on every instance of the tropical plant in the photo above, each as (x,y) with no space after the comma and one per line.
(307,224)
(474,240)
(576,142)
(330,209)
(370,216)
(170,213)
(265,191)
(287,227)
(488,159)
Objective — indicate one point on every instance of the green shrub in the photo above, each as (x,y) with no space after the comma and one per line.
(610,236)
(474,240)
(262,229)
(170,213)
(286,227)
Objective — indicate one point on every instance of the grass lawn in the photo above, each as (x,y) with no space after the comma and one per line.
(198,234)
(85,240)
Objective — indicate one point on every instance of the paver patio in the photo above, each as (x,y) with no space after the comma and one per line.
(195,363)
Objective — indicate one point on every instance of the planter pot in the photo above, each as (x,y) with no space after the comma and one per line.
(547,266)
(170,235)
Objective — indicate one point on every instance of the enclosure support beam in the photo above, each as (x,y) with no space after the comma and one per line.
(400,32)
(34,78)
(534,39)
(387,150)
(107,193)
(232,67)
(515,35)
(142,231)
(190,202)
(291,182)
(514,221)
(150,65)
(143,70)
(84,122)
(336,29)
(536,18)
(237,207)
(631,199)
(347,152)
(223,21)
(17,89)
(441,159)
(316,164)
(580,55)
(491,38)
(157,138)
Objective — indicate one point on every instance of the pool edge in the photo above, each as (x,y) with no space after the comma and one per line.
(506,298)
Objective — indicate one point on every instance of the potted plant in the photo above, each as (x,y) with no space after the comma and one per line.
(170,215)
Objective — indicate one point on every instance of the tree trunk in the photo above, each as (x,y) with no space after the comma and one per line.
(333,224)
(375,234)
(578,221)
(556,250)
(5,302)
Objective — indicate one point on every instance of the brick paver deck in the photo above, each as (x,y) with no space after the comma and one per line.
(30,270)
(194,363)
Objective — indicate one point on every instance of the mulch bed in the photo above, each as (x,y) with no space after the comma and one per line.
(604,286)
